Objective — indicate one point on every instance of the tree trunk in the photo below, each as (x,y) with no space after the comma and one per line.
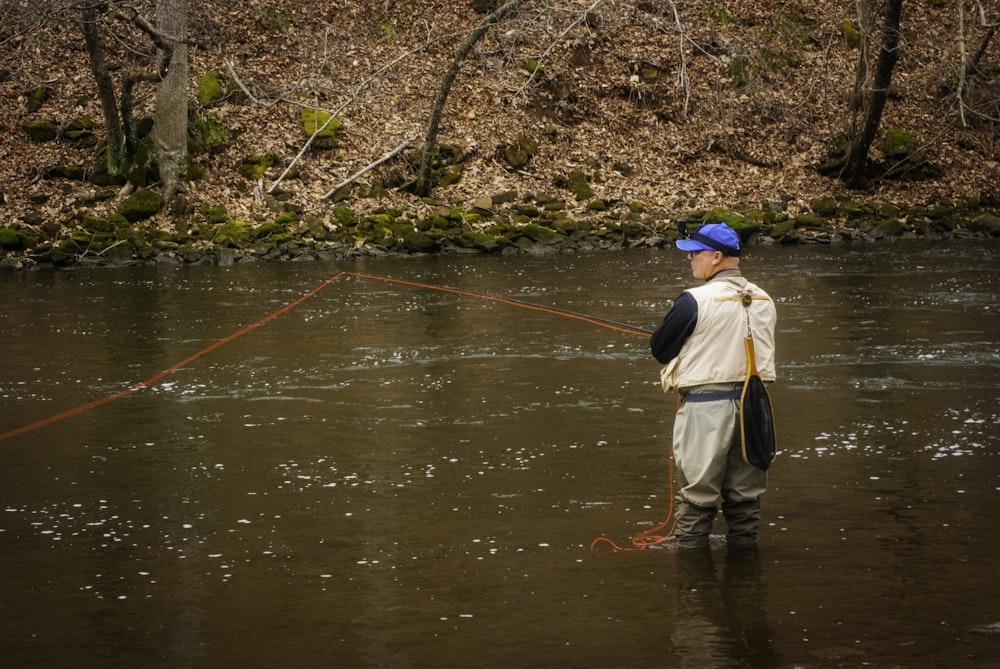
(105,89)
(872,96)
(171,120)
(423,186)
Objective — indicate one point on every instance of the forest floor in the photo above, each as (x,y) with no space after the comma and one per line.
(728,104)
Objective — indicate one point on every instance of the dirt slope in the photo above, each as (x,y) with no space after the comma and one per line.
(723,103)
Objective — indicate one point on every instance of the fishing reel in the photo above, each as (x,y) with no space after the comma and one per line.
(682,232)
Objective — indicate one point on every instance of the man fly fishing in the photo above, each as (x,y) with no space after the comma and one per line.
(712,341)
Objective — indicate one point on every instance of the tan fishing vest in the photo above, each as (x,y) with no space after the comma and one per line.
(715,351)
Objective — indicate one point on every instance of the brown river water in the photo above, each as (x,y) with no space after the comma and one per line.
(391,476)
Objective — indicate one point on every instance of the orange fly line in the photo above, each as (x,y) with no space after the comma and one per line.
(639,541)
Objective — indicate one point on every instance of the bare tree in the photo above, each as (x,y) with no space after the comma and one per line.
(872,87)
(114,129)
(119,119)
(969,68)
(423,175)
(171,123)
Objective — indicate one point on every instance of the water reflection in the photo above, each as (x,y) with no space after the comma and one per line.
(722,617)
(394,477)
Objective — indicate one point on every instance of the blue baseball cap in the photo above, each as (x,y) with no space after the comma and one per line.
(712,237)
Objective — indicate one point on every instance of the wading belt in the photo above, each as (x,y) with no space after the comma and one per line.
(713,396)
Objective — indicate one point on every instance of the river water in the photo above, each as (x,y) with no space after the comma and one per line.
(387,475)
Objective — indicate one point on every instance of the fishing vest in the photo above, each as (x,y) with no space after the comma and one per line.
(716,352)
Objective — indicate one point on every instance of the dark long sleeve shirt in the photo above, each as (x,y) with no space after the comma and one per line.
(676,327)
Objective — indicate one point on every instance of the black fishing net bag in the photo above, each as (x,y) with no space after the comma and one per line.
(757,424)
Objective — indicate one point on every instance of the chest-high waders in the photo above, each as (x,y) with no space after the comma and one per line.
(715,458)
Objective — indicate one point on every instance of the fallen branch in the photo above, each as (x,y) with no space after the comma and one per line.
(239,82)
(725,148)
(354,177)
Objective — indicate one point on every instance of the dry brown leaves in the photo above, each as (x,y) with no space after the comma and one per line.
(741,120)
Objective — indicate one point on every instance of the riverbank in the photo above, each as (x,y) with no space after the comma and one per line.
(633,118)
(506,224)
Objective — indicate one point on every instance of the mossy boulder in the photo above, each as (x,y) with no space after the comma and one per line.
(540,233)
(36,98)
(80,130)
(809,221)
(850,34)
(271,19)
(519,153)
(986,223)
(286,217)
(143,170)
(96,223)
(433,222)
(534,67)
(210,89)
(782,229)
(854,209)
(899,143)
(743,225)
(450,175)
(270,229)
(254,167)
(577,184)
(345,216)
(902,151)
(233,234)
(321,126)
(215,214)
(119,221)
(140,205)
(72,172)
(482,241)
(419,242)
(206,135)
(892,227)
(889,211)
(484,6)
(824,206)
(15,240)
(41,131)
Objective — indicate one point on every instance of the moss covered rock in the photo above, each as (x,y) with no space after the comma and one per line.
(419,242)
(986,223)
(254,167)
(577,184)
(268,230)
(210,89)
(36,98)
(345,216)
(96,223)
(215,214)
(899,143)
(41,131)
(15,240)
(234,234)
(519,153)
(850,34)
(80,130)
(140,205)
(206,135)
(824,206)
(320,125)
(72,172)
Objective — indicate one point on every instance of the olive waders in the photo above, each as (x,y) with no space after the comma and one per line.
(709,458)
